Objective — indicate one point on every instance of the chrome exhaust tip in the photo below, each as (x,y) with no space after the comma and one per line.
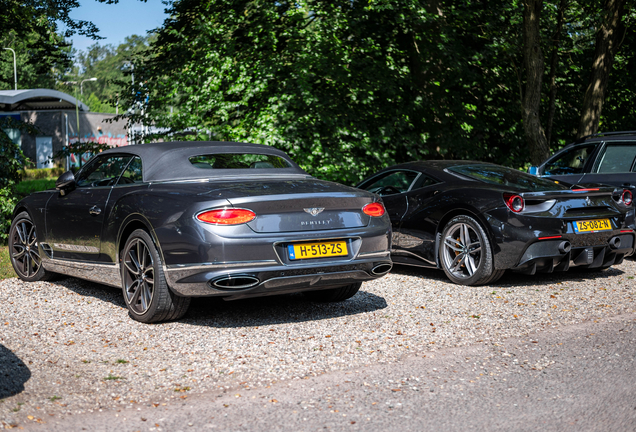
(381,269)
(615,242)
(565,247)
(235,282)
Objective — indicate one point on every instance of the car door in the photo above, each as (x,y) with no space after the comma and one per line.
(74,220)
(392,186)
(417,230)
(570,164)
(615,164)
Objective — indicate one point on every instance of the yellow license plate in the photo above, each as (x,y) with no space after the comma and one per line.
(592,226)
(317,250)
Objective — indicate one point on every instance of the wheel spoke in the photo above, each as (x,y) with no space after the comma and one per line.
(150,277)
(35,258)
(135,290)
(31,232)
(457,263)
(465,235)
(129,268)
(26,266)
(145,296)
(141,256)
(452,243)
(470,265)
(18,255)
(19,230)
(135,262)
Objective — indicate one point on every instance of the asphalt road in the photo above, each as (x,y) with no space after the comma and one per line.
(575,378)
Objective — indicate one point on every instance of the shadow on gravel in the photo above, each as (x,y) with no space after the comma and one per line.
(91,289)
(289,308)
(13,373)
(511,279)
(216,312)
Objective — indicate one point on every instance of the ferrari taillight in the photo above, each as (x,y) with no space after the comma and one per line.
(627,197)
(514,202)
(373,209)
(226,216)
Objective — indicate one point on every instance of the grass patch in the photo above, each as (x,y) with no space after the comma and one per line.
(6,269)
(42,173)
(112,377)
(26,187)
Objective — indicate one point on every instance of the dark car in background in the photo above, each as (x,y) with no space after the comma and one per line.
(170,221)
(608,158)
(475,220)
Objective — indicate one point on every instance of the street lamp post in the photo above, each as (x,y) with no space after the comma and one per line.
(76,112)
(82,84)
(15,69)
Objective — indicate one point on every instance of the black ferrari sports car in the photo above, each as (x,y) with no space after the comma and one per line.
(475,220)
(171,221)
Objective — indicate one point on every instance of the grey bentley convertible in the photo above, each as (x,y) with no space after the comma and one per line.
(176,220)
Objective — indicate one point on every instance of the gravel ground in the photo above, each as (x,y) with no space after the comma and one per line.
(69,347)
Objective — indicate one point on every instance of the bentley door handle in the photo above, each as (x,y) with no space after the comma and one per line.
(95,210)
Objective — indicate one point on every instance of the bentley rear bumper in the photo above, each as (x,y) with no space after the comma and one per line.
(260,278)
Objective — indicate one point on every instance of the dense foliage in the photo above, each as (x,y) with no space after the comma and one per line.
(12,161)
(110,65)
(348,87)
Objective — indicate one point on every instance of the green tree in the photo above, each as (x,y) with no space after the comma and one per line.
(349,87)
(108,64)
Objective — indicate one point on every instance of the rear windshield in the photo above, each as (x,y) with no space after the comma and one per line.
(499,175)
(239,161)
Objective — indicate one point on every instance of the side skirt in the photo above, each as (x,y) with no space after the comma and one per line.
(107,274)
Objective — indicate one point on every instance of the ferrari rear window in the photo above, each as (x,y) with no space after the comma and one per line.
(239,161)
(499,175)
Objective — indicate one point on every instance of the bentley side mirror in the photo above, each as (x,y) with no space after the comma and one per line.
(65,183)
(533,170)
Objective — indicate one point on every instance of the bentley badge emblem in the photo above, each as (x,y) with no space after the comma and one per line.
(314,211)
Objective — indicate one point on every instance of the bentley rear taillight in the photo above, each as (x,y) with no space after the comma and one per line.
(514,202)
(227,216)
(374,209)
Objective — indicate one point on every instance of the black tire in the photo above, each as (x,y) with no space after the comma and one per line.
(466,254)
(25,252)
(333,294)
(146,292)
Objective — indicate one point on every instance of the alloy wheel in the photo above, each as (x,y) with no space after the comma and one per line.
(24,249)
(462,250)
(139,276)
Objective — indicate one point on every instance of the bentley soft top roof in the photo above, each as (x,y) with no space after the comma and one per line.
(170,160)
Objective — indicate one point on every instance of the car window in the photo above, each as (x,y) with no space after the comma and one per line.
(617,158)
(238,161)
(424,181)
(133,173)
(570,162)
(102,171)
(391,182)
(499,175)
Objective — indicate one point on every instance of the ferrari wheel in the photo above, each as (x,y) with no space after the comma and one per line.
(465,253)
(333,294)
(146,291)
(24,250)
